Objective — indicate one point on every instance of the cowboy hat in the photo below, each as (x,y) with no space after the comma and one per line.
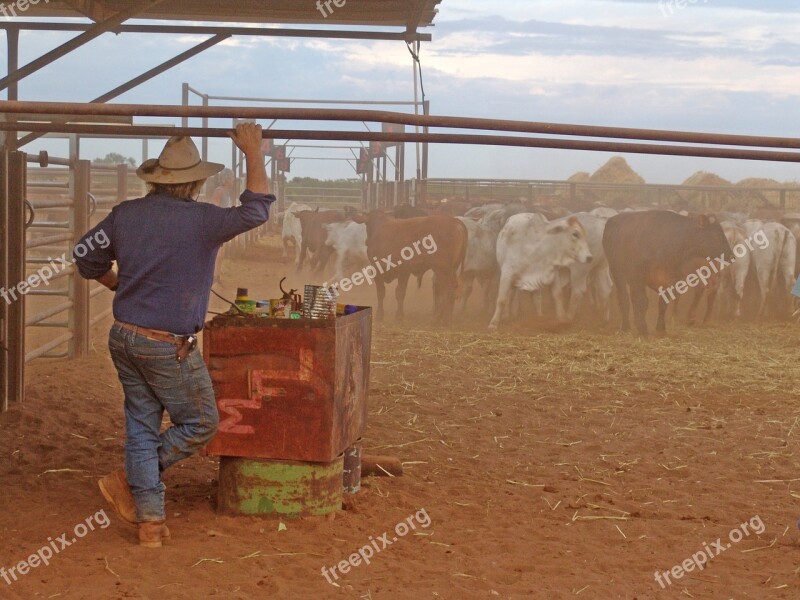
(179,162)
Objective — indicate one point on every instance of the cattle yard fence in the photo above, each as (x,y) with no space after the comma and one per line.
(50,203)
(582,195)
(22,230)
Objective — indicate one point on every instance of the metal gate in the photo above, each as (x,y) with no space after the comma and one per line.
(44,301)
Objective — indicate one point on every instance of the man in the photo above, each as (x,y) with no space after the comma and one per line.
(165,246)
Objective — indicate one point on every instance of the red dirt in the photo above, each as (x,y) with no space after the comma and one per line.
(510,442)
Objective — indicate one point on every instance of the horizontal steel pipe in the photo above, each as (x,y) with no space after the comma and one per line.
(50,239)
(48,185)
(97,291)
(103,315)
(50,312)
(51,160)
(50,225)
(434,138)
(50,293)
(357,115)
(400,36)
(38,204)
(42,350)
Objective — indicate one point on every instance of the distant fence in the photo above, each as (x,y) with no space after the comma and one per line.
(579,195)
(574,195)
(325,197)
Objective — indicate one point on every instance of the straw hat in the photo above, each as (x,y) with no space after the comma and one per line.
(179,162)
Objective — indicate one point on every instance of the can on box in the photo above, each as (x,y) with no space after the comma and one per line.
(280,308)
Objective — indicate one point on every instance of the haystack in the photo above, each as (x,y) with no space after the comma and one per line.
(704,178)
(757,197)
(728,199)
(616,170)
(580,177)
(759,182)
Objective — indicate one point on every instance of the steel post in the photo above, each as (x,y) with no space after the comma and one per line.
(15,330)
(80,315)
(4,283)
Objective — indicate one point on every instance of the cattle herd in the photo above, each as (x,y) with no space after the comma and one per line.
(538,259)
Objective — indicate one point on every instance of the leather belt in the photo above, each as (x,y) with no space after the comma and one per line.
(153,334)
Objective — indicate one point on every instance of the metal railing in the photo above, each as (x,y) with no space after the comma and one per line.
(325,197)
(60,200)
(574,194)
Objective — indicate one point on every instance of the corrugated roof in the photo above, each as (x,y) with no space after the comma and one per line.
(376,13)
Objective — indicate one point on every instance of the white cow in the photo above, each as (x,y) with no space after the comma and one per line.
(291,230)
(481,260)
(530,252)
(582,277)
(479,212)
(792,221)
(773,256)
(735,276)
(349,241)
(604,211)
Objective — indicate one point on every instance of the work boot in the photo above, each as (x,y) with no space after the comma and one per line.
(151,534)
(116,490)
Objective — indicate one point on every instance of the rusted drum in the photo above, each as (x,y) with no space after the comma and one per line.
(352,469)
(284,488)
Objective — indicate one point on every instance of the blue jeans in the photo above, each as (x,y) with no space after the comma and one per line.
(154,381)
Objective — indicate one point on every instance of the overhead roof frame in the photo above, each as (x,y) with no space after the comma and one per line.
(109,16)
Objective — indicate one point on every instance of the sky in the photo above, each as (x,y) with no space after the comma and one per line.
(726,66)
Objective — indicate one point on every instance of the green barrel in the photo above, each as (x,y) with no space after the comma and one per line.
(284,488)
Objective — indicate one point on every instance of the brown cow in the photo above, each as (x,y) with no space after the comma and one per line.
(314,236)
(405,247)
(658,249)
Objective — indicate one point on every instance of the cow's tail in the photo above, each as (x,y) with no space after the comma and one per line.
(462,259)
(787,260)
(775,271)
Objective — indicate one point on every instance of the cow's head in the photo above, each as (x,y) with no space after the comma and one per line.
(709,238)
(372,220)
(571,241)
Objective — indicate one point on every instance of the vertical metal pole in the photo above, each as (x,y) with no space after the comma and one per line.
(4,283)
(17,171)
(396,173)
(145,152)
(80,315)
(416,112)
(185,102)
(205,126)
(74,148)
(426,107)
(12,37)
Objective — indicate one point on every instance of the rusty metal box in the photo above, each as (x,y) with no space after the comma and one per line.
(289,389)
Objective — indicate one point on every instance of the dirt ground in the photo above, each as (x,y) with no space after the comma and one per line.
(552,463)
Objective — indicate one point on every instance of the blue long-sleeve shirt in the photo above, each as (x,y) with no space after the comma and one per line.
(165,249)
